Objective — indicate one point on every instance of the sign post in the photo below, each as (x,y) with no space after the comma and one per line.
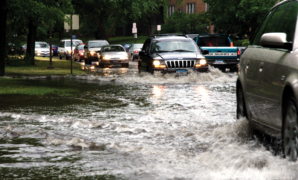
(74,25)
(134,31)
(51,54)
(159,28)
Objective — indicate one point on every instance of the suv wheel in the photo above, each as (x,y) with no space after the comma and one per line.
(290,130)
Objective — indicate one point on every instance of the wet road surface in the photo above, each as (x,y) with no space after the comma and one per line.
(125,125)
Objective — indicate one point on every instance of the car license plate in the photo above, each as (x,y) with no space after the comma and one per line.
(219,62)
(115,61)
(181,72)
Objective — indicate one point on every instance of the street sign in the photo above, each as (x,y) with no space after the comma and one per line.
(136,36)
(74,37)
(134,30)
(134,25)
(75,22)
(158,27)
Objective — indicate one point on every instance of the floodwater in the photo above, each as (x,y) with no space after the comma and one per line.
(122,125)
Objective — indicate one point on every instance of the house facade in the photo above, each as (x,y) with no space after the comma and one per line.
(189,7)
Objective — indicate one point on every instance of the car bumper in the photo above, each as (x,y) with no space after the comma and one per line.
(166,70)
(108,63)
(42,54)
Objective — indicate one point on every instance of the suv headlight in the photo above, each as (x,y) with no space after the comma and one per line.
(92,53)
(201,62)
(158,64)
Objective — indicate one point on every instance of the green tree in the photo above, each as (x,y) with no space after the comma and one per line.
(107,15)
(180,22)
(3,16)
(37,13)
(238,16)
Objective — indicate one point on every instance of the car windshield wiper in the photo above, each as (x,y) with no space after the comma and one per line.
(181,50)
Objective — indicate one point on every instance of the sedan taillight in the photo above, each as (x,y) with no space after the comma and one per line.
(136,51)
(238,52)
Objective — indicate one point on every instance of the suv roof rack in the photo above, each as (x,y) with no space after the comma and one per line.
(161,35)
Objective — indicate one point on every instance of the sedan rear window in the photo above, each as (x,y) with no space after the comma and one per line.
(112,49)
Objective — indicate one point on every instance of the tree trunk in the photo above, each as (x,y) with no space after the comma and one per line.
(61,33)
(3,16)
(31,41)
(102,29)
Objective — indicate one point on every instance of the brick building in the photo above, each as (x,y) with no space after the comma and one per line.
(189,6)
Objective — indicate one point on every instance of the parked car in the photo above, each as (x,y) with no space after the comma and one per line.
(91,49)
(55,49)
(126,45)
(113,55)
(42,49)
(24,48)
(78,53)
(133,51)
(171,54)
(64,48)
(267,84)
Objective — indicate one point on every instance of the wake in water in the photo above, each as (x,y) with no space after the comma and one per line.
(213,76)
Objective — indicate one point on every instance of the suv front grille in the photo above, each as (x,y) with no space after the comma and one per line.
(174,64)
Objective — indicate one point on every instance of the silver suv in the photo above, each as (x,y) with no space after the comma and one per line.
(267,84)
(64,48)
(91,49)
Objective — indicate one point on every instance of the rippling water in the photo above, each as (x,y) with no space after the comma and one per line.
(128,126)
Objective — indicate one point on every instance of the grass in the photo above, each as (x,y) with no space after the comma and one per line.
(61,67)
(17,86)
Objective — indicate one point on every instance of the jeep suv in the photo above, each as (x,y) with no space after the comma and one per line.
(171,54)
(267,85)
(91,49)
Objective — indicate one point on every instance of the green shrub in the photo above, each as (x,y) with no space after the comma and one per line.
(18,60)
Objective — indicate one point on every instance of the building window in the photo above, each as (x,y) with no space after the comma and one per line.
(171,10)
(190,8)
(207,7)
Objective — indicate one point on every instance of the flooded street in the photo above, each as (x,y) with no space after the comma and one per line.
(122,125)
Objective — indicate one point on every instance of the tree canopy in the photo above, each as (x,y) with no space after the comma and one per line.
(238,16)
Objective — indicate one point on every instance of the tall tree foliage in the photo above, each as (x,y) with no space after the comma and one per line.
(238,16)
(3,15)
(34,13)
(108,14)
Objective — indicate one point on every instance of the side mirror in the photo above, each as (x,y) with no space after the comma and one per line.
(205,52)
(276,40)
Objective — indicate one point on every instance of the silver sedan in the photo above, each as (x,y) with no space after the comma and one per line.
(112,55)
(133,51)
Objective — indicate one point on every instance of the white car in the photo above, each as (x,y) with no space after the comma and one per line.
(64,48)
(42,49)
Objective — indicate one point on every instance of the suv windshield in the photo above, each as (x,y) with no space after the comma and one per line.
(41,46)
(97,44)
(74,43)
(213,41)
(174,45)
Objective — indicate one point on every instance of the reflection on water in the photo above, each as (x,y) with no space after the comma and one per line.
(133,127)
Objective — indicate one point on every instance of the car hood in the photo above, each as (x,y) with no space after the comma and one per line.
(95,49)
(178,55)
